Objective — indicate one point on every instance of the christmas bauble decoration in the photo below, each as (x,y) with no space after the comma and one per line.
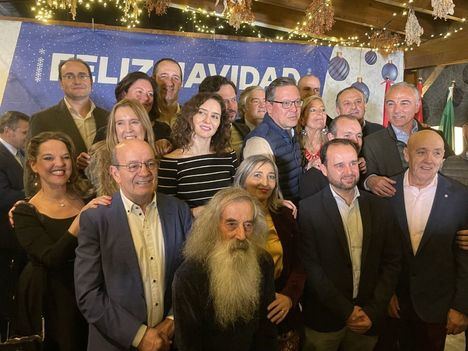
(390,71)
(370,57)
(338,67)
(358,84)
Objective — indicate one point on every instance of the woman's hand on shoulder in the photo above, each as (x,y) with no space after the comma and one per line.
(10,212)
(104,200)
(162,147)
(291,206)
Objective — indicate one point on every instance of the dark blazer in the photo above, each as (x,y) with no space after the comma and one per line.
(436,278)
(11,190)
(311,182)
(242,128)
(328,294)
(381,152)
(58,118)
(109,289)
(370,128)
(292,278)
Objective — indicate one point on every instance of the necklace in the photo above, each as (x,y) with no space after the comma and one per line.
(60,203)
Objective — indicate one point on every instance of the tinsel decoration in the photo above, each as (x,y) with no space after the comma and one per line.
(384,41)
(413,29)
(238,12)
(319,17)
(442,8)
(158,6)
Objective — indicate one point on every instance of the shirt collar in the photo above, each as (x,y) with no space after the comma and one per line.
(72,110)
(401,135)
(10,147)
(339,198)
(432,184)
(131,207)
(249,124)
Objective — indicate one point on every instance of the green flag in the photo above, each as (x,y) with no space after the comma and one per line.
(447,121)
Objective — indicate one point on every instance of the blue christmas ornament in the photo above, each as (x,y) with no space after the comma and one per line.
(390,71)
(338,67)
(370,57)
(358,84)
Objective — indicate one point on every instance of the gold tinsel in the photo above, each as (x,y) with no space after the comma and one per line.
(238,12)
(72,4)
(442,8)
(158,6)
(319,17)
(384,41)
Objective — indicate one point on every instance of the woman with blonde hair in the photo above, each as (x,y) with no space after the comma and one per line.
(127,120)
(259,176)
(312,128)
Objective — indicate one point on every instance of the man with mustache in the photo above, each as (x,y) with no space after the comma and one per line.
(223,288)
(352,101)
(127,255)
(351,253)
(344,127)
(228,92)
(168,75)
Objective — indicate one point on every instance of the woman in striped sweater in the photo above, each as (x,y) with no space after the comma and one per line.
(203,161)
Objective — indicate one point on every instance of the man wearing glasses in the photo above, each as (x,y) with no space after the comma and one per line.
(275,136)
(75,115)
(127,255)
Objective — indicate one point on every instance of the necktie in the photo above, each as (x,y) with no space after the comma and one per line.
(20,157)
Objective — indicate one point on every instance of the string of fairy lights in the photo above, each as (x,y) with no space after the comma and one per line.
(199,20)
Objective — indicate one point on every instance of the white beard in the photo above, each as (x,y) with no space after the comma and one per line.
(235,278)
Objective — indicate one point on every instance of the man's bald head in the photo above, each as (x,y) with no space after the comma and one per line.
(308,85)
(425,155)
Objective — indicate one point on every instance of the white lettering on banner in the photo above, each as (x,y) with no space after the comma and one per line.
(244,72)
(57,57)
(102,74)
(242,76)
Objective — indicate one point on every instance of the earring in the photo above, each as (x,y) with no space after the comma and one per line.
(35,180)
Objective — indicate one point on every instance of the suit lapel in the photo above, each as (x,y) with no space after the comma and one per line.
(331,208)
(70,128)
(120,223)
(441,202)
(398,201)
(166,216)
(11,158)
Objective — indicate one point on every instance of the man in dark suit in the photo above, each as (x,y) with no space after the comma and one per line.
(252,106)
(127,255)
(76,115)
(228,91)
(432,295)
(383,150)
(352,101)
(344,127)
(13,132)
(351,253)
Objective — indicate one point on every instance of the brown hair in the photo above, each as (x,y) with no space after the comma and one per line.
(75,184)
(182,130)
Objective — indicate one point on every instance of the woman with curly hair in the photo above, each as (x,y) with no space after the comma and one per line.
(47,229)
(203,161)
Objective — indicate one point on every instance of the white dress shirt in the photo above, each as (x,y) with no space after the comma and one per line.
(418,205)
(148,240)
(352,223)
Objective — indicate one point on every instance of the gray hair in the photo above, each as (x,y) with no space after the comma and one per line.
(10,120)
(205,230)
(332,127)
(278,82)
(247,167)
(404,85)
(245,95)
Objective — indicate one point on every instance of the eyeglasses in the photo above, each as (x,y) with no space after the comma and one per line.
(133,167)
(287,104)
(79,76)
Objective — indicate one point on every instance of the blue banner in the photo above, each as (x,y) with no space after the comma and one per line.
(29,63)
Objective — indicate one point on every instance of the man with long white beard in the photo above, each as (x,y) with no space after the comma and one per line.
(222,290)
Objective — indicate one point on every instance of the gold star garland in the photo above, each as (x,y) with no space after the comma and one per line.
(319,17)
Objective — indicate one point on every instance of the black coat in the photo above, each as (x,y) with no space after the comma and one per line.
(328,294)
